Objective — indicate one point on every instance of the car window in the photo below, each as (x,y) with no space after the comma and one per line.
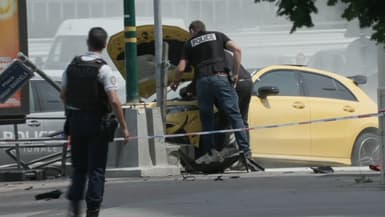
(325,87)
(46,98)
(63,50)
(286,80)
(32,97)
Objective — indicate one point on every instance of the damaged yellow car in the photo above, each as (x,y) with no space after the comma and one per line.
(297,114)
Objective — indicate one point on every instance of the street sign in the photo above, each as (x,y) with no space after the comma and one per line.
(13,78)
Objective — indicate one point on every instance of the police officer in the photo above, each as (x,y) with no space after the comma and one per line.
(205,52)
(89,92)
(243,88)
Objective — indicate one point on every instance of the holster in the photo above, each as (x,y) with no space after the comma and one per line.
(66,127)
(108,126)
(231,76)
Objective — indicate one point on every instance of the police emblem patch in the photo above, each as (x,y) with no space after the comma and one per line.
(113,80)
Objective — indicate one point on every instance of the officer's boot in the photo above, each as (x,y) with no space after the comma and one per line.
(74,209)
(92,213)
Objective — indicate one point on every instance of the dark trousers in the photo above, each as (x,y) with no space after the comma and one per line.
(89,147)
(244,89)
(216,89)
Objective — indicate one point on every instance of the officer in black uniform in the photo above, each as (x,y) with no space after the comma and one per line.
(89,92)
(205,51)
(244,88)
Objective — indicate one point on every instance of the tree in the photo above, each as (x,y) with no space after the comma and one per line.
(370,13)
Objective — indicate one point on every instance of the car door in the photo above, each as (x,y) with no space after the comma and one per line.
(47,116)
(32,128)
(289,106)
(329,98)
(29,129)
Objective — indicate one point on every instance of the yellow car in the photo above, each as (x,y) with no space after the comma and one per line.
(321,98)
(299,115)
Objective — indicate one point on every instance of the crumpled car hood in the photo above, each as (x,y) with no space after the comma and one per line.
(173,35)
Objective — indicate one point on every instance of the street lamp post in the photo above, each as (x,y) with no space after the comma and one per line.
(160,56)
(381,105)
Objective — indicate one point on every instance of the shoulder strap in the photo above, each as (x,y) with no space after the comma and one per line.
(99,61)
(76,59)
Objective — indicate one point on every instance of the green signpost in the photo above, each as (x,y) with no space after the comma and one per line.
(130,51)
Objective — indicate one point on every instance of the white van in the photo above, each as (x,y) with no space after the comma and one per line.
(70,40)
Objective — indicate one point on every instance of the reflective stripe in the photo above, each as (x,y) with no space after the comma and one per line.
(130,40)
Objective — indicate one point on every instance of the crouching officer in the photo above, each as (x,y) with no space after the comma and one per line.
(89,92)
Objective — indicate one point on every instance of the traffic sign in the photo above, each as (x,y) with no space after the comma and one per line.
(13,78)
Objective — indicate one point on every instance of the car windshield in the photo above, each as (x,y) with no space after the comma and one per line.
(65,48)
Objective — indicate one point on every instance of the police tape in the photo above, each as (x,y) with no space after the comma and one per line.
(377,114)
(269,126)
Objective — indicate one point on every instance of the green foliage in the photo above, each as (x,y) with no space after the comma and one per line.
(370,13)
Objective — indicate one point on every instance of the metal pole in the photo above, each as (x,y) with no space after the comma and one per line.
(381,105)
(164,79)
(130,51)
(158,55)
(34,68)
(16,132)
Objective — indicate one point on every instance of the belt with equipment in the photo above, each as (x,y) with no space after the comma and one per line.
(214,73)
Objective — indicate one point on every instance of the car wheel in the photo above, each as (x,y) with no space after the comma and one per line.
(366,150)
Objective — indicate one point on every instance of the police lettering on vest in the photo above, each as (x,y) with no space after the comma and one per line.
(206,52)
(201,39)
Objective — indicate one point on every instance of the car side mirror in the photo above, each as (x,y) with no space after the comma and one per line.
(358,79)
(267,91)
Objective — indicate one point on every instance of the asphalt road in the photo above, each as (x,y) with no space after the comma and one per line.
(300,194)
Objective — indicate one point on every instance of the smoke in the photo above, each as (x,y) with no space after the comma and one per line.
(333,44)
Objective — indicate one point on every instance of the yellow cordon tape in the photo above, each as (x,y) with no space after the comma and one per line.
(52,141)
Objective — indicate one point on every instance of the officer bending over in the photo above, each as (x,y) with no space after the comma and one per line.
(205,51)
(89,92)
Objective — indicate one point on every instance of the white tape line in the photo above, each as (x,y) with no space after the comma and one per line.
(61,140)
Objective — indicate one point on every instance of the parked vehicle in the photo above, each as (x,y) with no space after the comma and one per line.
(46,117)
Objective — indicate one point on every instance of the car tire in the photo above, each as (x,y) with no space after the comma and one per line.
(366,149)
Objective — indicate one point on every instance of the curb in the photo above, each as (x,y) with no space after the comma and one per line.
(293,171)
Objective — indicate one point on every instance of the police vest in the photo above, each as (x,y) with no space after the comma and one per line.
(207,53)
(84,91)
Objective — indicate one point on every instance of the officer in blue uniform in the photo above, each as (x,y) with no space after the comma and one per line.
(205,51)
(89,92)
